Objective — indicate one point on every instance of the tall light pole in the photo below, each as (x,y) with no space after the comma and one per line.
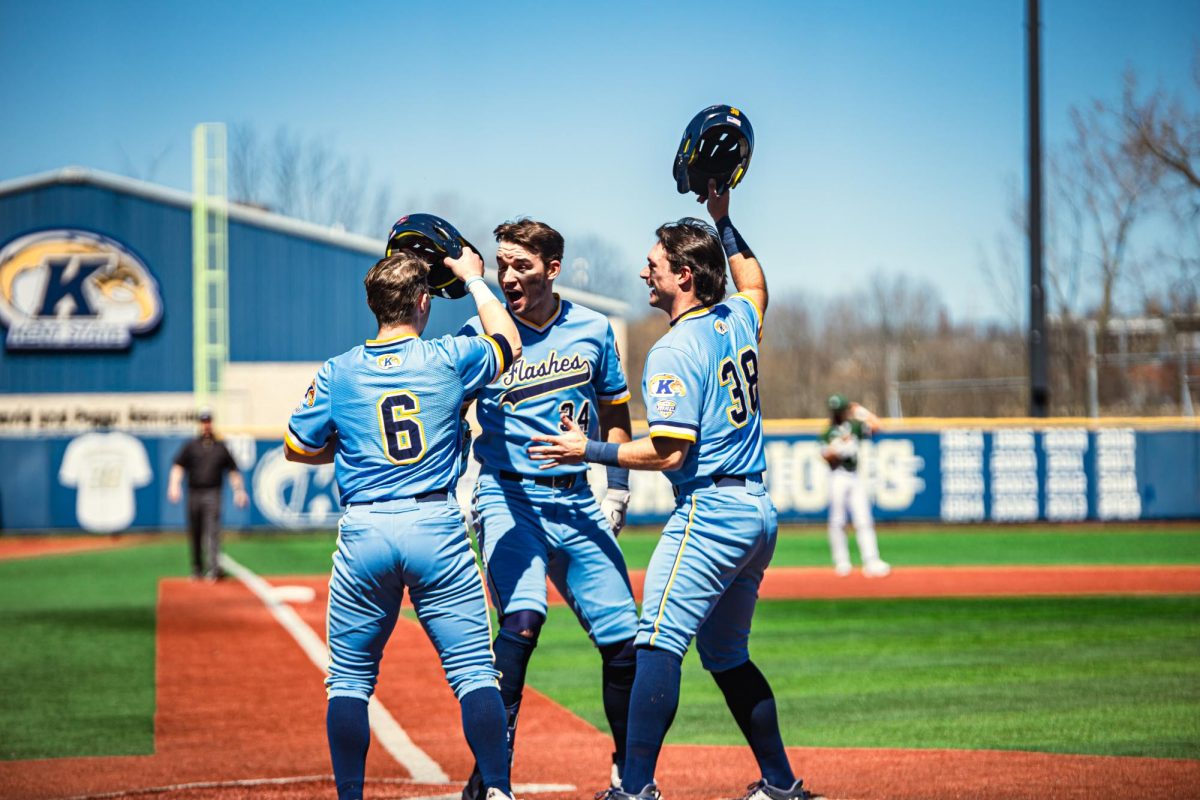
(1039,384)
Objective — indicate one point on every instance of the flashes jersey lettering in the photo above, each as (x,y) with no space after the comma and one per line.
(567,366)
(701,385)
(394,405)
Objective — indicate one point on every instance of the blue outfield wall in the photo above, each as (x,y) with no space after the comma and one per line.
(956,475)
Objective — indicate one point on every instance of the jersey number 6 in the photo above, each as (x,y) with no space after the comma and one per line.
(741,379)
(403,436)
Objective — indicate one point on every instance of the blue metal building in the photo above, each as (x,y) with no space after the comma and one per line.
(295,291)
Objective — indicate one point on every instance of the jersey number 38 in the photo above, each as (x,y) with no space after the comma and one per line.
(741,380)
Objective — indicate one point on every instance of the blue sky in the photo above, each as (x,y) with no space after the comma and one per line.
(889,134)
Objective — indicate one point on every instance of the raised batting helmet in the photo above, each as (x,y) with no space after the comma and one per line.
(435,238)
(716,145)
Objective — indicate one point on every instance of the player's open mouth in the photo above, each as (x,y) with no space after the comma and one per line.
(512,295)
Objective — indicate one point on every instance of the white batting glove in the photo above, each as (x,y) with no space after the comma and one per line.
(614,507)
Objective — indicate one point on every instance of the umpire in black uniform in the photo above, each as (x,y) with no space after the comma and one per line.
(205,459)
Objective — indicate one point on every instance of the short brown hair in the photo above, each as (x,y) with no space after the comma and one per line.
(536,237)
(394,285)
(690,242)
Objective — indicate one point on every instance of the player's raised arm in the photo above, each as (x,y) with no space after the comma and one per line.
(866,417)
(747,274)
(496,321)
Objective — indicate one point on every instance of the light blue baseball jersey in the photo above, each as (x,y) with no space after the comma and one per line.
(701,385)
(567,366)
(394,405)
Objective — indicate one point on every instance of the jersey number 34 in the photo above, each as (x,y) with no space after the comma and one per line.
(403,436)
(741,379)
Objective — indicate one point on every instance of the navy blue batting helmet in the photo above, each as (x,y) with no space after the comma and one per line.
(434,238)
(716,145)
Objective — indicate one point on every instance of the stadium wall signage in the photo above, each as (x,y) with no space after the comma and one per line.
(958,475)
(71,289)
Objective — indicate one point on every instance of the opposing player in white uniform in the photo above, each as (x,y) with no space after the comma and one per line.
(849,424)
(386,413)
(702,404)
(533,523)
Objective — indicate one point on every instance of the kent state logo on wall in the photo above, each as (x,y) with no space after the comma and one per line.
(70,289)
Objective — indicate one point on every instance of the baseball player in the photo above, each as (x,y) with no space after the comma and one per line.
(387,415)
(531,523)
(701,391)
(849,424)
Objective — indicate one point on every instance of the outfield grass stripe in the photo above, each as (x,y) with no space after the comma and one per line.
(394,739)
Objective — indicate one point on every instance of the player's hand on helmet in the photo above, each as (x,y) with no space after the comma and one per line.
(718,204)
(566,448)
(468,265)
(614,506)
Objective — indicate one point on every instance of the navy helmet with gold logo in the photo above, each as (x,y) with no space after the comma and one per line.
(435,239)
(716,145)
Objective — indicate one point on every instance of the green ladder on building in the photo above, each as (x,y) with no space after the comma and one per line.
(210,261)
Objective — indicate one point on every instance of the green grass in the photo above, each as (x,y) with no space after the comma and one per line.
(1110,676)
(284,553)
(808,547)
(1078,675)
(298,554)
(78,658)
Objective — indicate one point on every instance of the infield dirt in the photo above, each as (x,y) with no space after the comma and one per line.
(240,713)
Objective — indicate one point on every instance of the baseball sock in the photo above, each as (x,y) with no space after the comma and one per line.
(620,666)
(484,726)
(513,647)
(652,706)
(349,733)
(749,697)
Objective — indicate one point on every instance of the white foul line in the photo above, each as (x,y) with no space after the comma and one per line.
(393,738)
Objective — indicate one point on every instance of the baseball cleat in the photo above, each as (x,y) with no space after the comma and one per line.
(474,788)
(496,794)
(842,568)
(765,791)
(877,568)
(648,792)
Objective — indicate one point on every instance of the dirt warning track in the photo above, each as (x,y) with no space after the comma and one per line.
(12,547)
(241,714)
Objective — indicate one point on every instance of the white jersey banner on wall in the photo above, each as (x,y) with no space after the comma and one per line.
(105,468)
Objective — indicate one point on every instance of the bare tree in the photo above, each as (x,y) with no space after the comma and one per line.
(1161,129)
(595,264)
(1108,192)
(247,165)
(1006,266)
(150,166)
(307,179)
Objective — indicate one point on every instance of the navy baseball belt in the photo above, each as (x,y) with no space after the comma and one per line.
(440,496)
(552,481)
(719,481)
